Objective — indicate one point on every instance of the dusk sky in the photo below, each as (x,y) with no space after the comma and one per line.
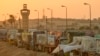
(76,8)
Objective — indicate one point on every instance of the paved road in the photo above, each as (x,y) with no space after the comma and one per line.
(10,50)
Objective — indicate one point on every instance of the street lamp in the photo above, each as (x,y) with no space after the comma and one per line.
(51,17)
(19,22)
(38,18)
(89,12)
(66,15)
(4,20)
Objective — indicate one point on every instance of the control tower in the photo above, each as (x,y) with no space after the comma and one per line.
(25,17)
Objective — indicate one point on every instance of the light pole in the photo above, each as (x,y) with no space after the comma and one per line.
(45,17)
(19,20)
(89,13)
(51,17)
(4,20)
(66,15)
(38,18)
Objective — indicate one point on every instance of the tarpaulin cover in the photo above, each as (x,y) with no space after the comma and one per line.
(66,48)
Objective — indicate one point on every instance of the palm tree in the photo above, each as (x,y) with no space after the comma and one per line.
(12,20)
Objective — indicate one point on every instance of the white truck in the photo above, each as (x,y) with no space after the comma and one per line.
(11,36)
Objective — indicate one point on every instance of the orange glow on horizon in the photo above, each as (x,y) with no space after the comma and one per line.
(76,8)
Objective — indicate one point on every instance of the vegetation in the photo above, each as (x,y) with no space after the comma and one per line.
(96,27)
(12,20)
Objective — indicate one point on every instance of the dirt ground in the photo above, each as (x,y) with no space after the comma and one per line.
(10,50)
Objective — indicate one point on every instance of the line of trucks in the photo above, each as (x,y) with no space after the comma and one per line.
(37,40)
(41,40)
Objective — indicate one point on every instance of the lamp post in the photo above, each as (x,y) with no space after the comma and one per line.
(89,13)
(45,17)
(19,20)
(4,20)
(66,15)
(51,17)
(38,18)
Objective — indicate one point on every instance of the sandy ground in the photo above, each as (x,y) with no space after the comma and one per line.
(10,50)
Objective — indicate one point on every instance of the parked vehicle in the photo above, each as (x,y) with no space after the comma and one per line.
(67,37)
(25,39)
(11,36)
(19,40)
(39,40)
(3,34)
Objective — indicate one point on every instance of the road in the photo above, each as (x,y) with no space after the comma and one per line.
(11,50)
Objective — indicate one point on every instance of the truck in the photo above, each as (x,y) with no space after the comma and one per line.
(11,36)
(3,34)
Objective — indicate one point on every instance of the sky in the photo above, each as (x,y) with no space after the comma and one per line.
(75,8)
